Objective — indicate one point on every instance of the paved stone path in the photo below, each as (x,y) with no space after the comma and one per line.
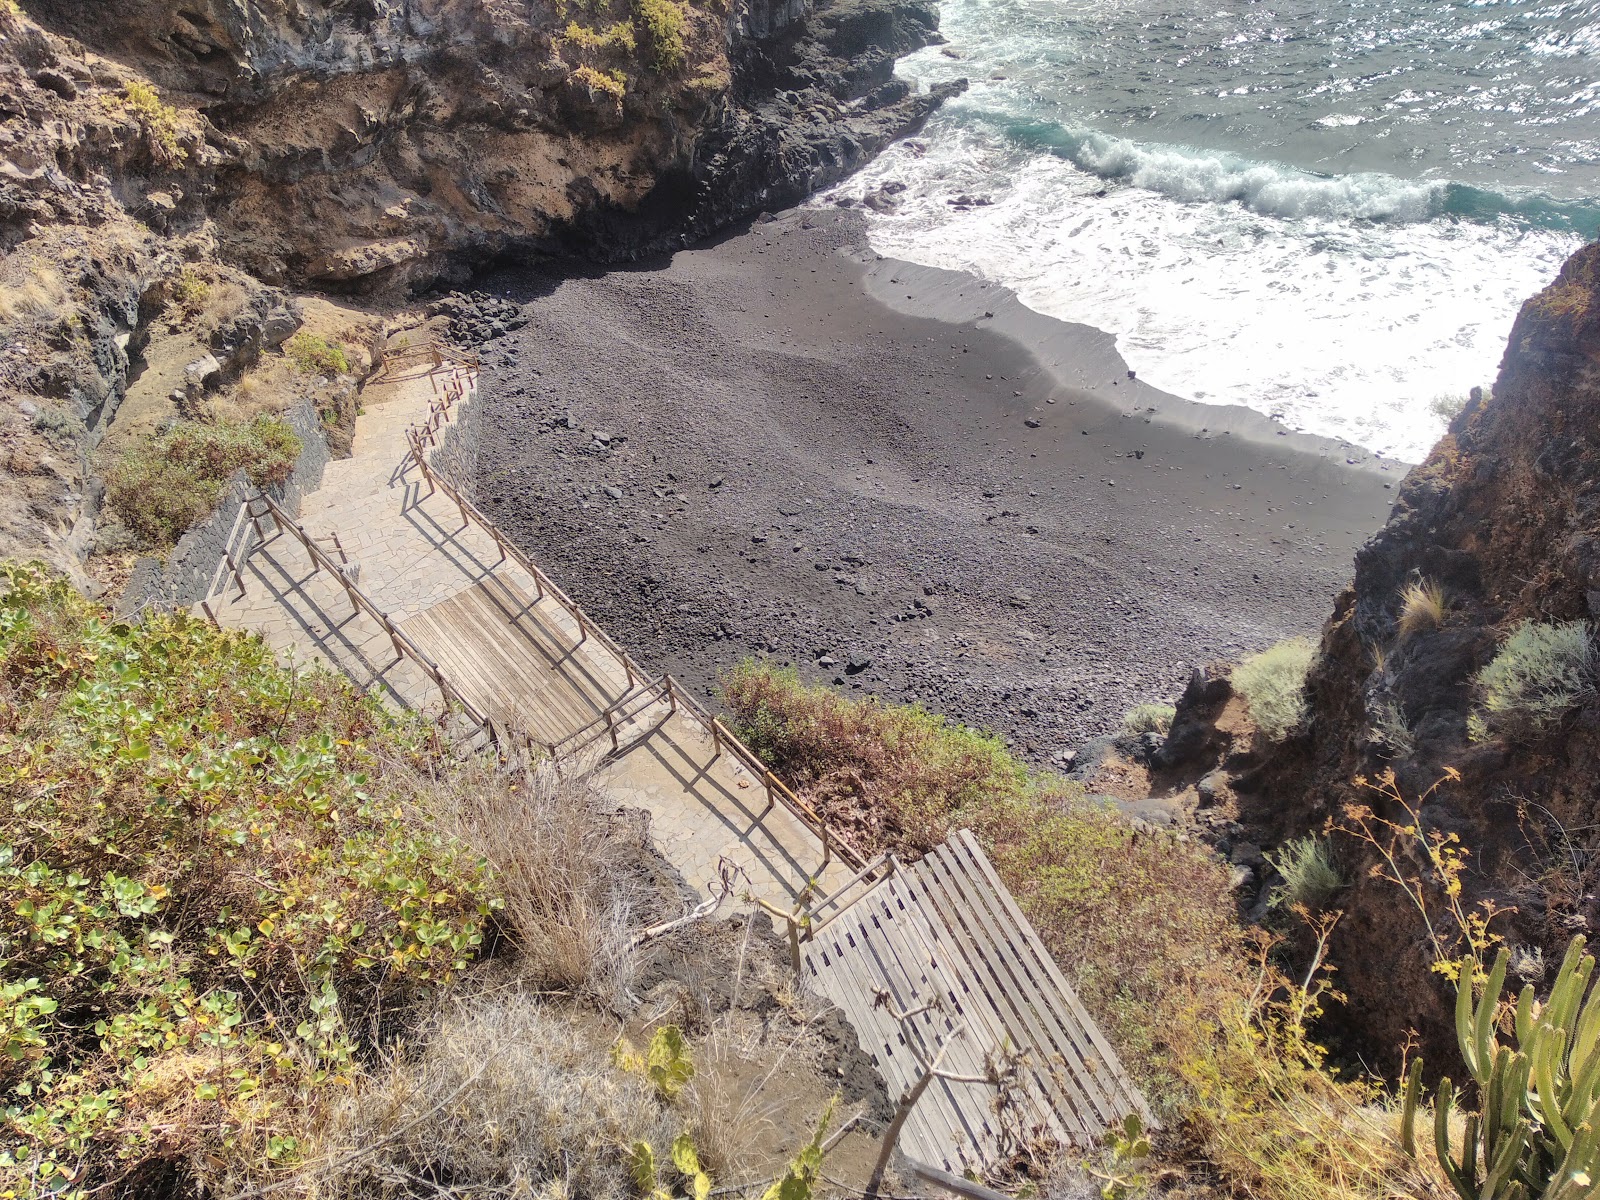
(443,582)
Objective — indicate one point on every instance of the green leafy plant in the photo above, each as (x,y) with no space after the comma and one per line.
(1149,718)
(1539,673)
(167,482)
(1273,685)
(209,886)
(313,355)
(1536,1135)
(646,1170)
(666,1063)
(799,1178)
(1127,1148)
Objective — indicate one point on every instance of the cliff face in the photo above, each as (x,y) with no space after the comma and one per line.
(1504,516)
(373,147)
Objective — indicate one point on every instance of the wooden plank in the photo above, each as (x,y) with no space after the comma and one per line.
(936,1112)
(854,983)
(964,1108)
(483,674)
(1097,1102)
(564,655)
(1066,1081)
(467,631)
(975,854)
(1038,1081)
(975,1005)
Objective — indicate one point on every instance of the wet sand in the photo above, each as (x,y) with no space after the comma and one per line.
(900,480)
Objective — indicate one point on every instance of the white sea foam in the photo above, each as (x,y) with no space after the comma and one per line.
(1285,306)
(1191,175)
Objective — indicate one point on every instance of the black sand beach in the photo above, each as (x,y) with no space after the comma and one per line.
(900,480)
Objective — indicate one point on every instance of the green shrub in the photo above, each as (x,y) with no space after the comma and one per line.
(1273,685)
(1149,718)
(1540,672)
(314,355)
(1310,876)
(159,121)
(895,778)
(661,27)
(1389,726)
(171,480)
(214,884)
(189,290)
(617,36)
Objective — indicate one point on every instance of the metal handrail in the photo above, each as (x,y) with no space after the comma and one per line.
(543,584)
(402,641)
(612,717)
(722,737)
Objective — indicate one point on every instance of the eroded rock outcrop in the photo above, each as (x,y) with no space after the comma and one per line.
(1504,517)
(376,147)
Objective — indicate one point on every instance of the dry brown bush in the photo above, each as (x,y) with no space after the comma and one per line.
(567,866)
(506,1098)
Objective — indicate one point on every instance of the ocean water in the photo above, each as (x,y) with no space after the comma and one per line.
(1327,210)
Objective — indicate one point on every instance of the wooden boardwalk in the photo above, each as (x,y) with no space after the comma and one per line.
(945,932)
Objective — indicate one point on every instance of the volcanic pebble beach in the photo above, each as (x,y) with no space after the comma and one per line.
(901,481)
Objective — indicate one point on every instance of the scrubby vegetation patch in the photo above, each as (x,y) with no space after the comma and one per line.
(211,887)
(1149,718)
(1539,673)
(315,355)
(662,29)
(167,482)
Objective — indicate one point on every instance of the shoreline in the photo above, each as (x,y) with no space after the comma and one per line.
(756,448)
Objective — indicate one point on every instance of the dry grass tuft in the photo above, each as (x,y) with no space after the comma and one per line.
(1422,607)
(37,299)
(564,862)
(505,1099)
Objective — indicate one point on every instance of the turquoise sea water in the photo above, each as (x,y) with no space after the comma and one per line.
(1326,211)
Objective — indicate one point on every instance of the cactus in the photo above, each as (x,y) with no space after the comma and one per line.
(1536,1135)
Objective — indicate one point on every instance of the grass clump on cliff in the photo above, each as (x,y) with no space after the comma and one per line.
(661,25)
(1273,685)
(169,481)
(1422,607)
(615,37)
(605,83)
(1310,875)
(1539,673)
(313,355)
(1143,924)
(213,889)
(1149,718)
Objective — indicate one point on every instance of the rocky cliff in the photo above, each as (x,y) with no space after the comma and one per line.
(373,147)
(1500,526)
